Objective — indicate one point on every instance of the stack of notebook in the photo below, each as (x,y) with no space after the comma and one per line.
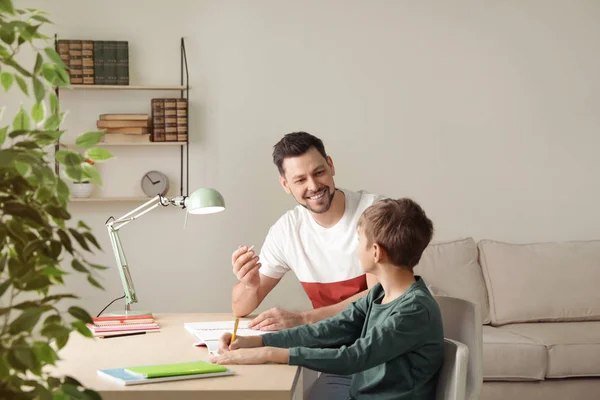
(164,372)
(120,325)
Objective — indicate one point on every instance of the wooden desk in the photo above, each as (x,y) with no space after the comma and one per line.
(82,357)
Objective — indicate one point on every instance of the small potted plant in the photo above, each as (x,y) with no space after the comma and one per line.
(83,188)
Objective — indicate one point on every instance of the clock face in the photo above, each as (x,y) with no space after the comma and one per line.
(155,183)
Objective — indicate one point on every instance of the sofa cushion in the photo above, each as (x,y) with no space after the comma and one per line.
(573,347)
(511,357)
(541,282)
(452,269)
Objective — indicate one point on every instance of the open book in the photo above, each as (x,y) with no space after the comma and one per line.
(209,333)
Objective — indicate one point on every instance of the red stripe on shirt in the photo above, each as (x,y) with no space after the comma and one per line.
(327,294)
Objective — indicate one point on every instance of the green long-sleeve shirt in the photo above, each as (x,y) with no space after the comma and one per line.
(394,350)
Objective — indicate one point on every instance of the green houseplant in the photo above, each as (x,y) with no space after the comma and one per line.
(39,244)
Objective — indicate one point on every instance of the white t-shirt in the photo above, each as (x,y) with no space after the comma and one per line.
(323,259)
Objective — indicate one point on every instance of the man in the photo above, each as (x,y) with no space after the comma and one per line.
(316,240)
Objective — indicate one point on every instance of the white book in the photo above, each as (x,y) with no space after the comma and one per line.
(209,333)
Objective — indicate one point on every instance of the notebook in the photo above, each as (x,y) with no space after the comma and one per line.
(188,368)
(123,377)
(209,333)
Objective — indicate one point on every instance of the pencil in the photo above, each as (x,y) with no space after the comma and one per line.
(237,321)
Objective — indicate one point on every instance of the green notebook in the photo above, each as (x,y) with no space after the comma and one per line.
(188,368)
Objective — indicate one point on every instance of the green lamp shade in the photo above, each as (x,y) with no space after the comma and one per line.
(205,201)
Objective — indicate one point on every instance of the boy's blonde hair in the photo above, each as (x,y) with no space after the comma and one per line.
(400,227)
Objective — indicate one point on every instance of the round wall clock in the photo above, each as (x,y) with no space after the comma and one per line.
(154,183)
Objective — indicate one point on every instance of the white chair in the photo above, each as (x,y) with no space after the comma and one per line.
(462,323)
(452,381)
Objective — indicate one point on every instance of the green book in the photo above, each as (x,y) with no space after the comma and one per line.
(188,368)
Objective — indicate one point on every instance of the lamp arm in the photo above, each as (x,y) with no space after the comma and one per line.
(113,227)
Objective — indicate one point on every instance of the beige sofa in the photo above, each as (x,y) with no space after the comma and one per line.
(540,306)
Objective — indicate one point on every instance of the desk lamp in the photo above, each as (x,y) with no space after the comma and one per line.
(202,201)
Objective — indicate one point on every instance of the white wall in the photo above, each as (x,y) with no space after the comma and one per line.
(487,114)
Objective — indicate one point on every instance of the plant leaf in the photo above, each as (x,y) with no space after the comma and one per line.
(79,238)
(41,18)
(58,332)
(81,314)
(6,6)
(75,173)
(82,328)
(22,168)
(37,112)
(65,240)
(57,212)
(24,211)
(39,90)
(4,286)
(22,84)
(21,121)
(7,80)
(44,352)
(39,62)
(92,240)
(3,134)
(53,55)
(92,173)
(68,158)
(78,266)
(94,282)
(89,139)
(98,154)
(98,267)
(81,224)
(53,103)
(26,321)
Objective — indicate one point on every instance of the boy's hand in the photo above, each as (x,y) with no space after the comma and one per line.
(240,342)
(276,319)
(260,355)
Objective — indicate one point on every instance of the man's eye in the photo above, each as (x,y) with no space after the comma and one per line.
(300,181)
(319,173)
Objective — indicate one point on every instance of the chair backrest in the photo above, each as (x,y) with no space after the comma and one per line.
(452,381)
(462,323)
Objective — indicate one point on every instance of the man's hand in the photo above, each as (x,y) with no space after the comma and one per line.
(240,342)
(245,267)
(259,355)
(276,319)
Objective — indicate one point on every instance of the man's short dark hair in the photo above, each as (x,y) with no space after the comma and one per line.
(400,227)
(293,145)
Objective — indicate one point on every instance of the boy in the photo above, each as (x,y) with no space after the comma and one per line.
(391,340)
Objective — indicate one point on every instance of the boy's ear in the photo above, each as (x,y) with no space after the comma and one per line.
(284,184)
(379,253)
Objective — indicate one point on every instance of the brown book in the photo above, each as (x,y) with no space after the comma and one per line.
(87,61)
(121,124)
(128,131)
(158,120)
(118,138)
(129,117)
(75,62)
(171,120)
(182,120)
(63,51)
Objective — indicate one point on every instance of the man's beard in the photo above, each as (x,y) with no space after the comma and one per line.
(328,195)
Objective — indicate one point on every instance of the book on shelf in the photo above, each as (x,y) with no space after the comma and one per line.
(128,130)
(87,61)
(170,120)
(125,138)
(129,117)
(103,123)
(182,121)
(75,62)
(95,62)
(158,120)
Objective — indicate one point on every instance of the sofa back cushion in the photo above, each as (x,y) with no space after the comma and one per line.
(542,281)
(452,269)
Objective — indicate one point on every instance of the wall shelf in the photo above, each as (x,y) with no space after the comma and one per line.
(156,144)
(109,199)
(126,87)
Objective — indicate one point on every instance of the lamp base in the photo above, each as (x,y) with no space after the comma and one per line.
(125,313)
